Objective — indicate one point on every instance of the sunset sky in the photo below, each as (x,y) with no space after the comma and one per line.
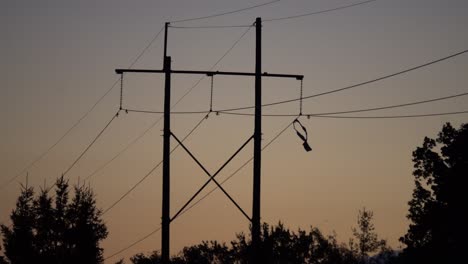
(59,57)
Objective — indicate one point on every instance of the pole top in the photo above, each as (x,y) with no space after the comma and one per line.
(258,21)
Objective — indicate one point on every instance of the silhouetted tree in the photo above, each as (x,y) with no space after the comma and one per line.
(367,239)
(68,232)
(153,258)
(279,245)
(18,240)
(438,209)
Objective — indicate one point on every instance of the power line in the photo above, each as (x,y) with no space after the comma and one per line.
(161,112)
(215,64)
(395,106)
(272,19)
(202,198)
(88,147)
(354,85)
(224,13)
(208,27)
(124,149)
(315,114)
(91,144)
(330,115)
(133,244)
(175,104)
(146,48)
(319,12)
(152,170)
(358,110)
(40,157)
(392,116)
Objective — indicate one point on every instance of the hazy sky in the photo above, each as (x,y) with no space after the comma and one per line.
(58,58)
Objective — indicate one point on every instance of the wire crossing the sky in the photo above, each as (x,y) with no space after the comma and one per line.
(314,114)
(40,157)
(282,18)
(392,116)
(354,85)
(319,12)
(367,109)
(91,144)
(224,13)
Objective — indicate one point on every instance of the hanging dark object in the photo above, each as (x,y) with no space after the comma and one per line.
(302,136)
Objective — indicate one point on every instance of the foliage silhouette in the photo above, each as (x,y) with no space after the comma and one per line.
(367,239)
(55,230)
(438,209)
(281,245)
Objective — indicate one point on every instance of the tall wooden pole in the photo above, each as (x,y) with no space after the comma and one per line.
(165,234)
(256,255)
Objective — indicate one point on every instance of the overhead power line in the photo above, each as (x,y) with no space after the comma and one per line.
(330,115)
(220,26)
(90,144)
(354,85)
(394,106)
(392,116)
(224,13)
(48,150)
(319,12)
(314,114)
(202,198)
(283,18)
(124,149)
(133,244)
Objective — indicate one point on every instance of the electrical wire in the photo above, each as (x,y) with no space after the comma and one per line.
(152,170)
(394,106)
(86,149)
(175,104)
(133,244)
(330,115)
(161,112)
(354,85)
(318,114)
(224,13)
(41,156)
(124,149)
(319,12)
(393,116)
(202,198)
(214,65)
(280,18)
(91,144)
(358,110)
(271,19)
(208,27)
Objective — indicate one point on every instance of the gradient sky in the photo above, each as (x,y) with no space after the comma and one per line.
(58,58)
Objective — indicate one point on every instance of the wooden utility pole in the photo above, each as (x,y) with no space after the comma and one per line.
(257,161)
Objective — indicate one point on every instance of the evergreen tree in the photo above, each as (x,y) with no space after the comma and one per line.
(55,230)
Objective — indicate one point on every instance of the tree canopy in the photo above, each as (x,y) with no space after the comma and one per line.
(281,245)
(56,229)
(438,210)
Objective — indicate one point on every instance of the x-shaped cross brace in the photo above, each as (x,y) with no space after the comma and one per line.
(212,178)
